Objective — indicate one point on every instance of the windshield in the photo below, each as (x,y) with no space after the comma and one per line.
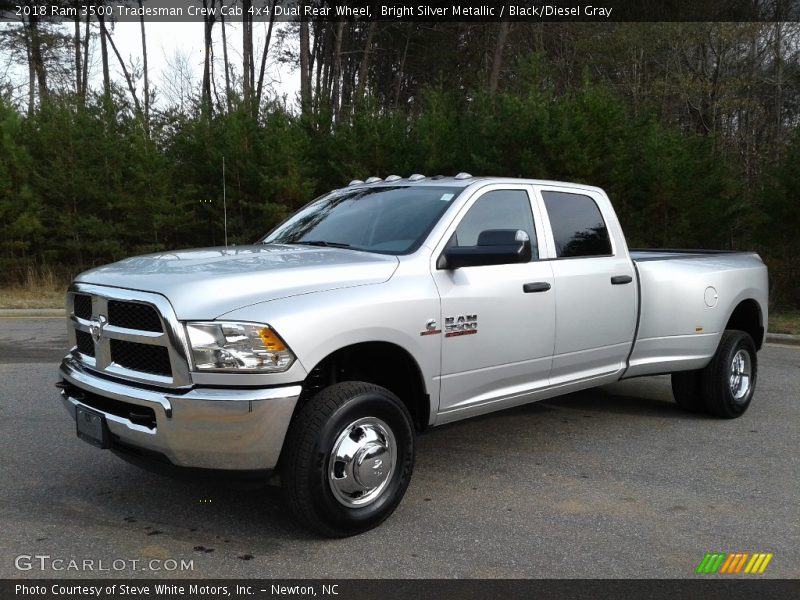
(389,220)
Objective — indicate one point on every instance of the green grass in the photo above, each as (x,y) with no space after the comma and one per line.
(785,322)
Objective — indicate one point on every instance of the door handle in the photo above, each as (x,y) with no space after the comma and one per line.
(532,288)
(621,279)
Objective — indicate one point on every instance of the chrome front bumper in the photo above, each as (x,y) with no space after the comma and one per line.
(206,428)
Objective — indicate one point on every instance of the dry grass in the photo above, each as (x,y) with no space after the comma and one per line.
(785,322)
(39,289)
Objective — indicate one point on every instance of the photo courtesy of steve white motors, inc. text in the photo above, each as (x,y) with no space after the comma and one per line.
(172,589)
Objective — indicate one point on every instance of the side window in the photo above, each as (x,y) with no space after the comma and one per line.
(578,226)
(501,209)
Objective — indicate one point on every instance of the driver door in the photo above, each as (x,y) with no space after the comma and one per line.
(498,321)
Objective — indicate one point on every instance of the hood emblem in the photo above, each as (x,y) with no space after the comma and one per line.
(96,327)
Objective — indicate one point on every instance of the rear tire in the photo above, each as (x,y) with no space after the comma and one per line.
(725,387)
(687,389)
(347,459)
(729,380)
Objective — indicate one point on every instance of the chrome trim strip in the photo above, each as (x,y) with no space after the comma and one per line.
(140,336)
(71,371)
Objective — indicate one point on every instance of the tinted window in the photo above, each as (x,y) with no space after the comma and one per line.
(578,226)
(502,209)
(390,220)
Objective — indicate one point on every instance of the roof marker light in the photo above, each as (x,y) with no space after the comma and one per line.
(416,177)
(393,178)
(355,182)
(463,175)
(373,180)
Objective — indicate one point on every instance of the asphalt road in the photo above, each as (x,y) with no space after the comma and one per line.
(613,482)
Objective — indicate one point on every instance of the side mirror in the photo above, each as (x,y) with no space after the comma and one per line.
(495,247)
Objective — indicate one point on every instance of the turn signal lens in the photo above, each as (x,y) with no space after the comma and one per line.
(271,341)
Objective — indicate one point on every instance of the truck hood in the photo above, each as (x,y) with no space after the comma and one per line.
(209,282)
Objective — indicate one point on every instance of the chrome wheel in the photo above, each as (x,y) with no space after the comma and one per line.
(362,462)
(741,376)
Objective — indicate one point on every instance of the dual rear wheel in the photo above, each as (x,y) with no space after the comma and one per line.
(724,388)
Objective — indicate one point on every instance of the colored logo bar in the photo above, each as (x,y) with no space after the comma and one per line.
(734,562)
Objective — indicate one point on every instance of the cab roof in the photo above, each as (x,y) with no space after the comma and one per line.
(463,180)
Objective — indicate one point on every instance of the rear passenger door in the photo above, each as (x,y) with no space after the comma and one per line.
(595,285)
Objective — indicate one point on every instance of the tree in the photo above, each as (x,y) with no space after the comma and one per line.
(305,69)
(363,70)
(247,52)
(78,49)
(145,71)
(497,58)
(105,34)
(225,60)
(36,56)
(208,25)
(260,88)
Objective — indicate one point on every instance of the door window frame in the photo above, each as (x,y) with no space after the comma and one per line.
(543,241)
(551,242)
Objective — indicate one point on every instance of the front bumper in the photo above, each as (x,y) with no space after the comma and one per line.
(203,428)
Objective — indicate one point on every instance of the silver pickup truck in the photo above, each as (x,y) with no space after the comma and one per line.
(384,308)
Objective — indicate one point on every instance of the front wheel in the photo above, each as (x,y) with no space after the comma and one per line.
(347,459)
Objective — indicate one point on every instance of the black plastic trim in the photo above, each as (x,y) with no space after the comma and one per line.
(638,320)
(532,288)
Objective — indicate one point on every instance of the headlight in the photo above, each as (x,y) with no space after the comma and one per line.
(229,346)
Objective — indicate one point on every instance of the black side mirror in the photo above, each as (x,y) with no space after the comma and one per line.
(495,247)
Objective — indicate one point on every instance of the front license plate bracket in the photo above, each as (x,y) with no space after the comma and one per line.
(91,427)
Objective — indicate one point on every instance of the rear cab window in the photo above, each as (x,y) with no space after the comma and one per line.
(578,227)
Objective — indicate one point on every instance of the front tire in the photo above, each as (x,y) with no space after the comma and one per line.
(347,459)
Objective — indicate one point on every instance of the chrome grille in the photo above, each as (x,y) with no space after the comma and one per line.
(128,334)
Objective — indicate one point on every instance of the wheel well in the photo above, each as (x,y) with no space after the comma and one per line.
(381,363)
(747,317)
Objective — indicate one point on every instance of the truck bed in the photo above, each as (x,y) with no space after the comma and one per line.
(685,300)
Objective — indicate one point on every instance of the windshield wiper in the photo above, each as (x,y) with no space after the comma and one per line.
(322,243)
